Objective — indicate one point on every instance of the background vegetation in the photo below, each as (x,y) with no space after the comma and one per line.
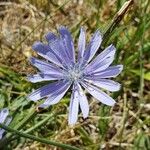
(123,127)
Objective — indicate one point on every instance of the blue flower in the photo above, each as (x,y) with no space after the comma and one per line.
(4,119)
(87,71)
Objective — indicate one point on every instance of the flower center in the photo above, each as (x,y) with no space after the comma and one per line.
(74,74)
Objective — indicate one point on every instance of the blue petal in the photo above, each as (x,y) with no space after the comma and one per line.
(98,94)
(83,102)
(92,47)
(111,71)
(1,133)
(74,106)
(60,50)
(46,90)
(68,42)
(4,119)
(56,96)
(50,37)
(102,61)
(7,122)
(46,52)
(3,114)
(81,44)
(105,84)
(44,77)
(45,67)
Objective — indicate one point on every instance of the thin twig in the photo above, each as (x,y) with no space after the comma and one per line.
(38,25)
(116,20)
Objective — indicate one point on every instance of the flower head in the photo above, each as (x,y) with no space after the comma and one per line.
(87,71)
(4,119)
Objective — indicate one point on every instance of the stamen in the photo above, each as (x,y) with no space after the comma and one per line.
(74,74)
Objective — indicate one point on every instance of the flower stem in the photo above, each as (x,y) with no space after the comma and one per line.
(42,140)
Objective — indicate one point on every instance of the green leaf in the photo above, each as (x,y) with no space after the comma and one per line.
(103,123)
(142,141)
(137,72)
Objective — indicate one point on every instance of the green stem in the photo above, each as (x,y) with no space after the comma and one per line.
(143,19)
(42,140)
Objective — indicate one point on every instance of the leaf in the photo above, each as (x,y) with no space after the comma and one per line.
(137,72)
(103,123)
(142,141)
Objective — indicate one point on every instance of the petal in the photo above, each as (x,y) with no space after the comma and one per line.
(74,106)
(3,114)
(60,50)
(81,44)
(105,84)
(92,47)
(8,120)
(112,71)
(45,66)
(83,102)
(98,94)
(3,118)
(68,42)
(50,37)
(44,77)
(1,133)
(46,90)
(102,61)
(46,52)
(56,96)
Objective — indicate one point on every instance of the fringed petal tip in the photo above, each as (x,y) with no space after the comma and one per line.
(62,27)
(112,103)
(120,67)
(32,97)
(28,77)
(39,47)
(31,59)
(43,106)
(36,45)
(50,37)
(4,111)
(98,32)
(29,98)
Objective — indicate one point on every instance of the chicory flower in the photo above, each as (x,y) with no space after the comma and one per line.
(65,70)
